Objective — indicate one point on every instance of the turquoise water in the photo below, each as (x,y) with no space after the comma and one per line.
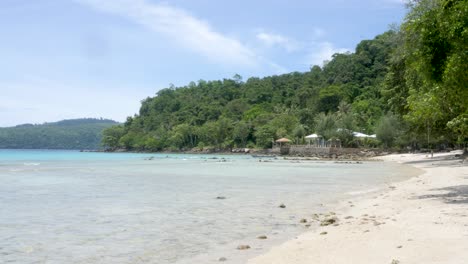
(73,207)
(73,155)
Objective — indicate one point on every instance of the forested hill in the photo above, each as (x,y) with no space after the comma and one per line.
(408,85)
(231,112)
(83,133)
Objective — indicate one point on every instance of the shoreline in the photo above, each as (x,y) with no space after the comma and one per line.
(421,220)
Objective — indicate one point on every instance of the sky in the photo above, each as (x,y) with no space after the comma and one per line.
(64,59)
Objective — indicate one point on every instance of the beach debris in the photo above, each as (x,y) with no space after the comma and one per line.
(282,206)
(221,197)
(243,247)
(303,221)
(222,259)
(262,237)
(328,221)
(323,233)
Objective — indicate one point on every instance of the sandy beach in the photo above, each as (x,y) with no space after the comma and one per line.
(421,220)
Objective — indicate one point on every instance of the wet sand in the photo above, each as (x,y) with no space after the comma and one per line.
(421,220)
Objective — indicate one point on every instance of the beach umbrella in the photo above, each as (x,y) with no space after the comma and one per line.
(282,140)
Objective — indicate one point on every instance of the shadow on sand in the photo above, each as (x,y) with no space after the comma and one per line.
(453,195)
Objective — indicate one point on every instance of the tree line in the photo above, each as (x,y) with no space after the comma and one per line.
(407,85)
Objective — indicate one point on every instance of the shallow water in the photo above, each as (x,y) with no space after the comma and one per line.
(72,207)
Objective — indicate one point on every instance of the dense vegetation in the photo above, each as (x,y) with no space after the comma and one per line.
(67,134)
(408,85)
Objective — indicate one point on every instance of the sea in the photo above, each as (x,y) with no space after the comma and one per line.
(89,207)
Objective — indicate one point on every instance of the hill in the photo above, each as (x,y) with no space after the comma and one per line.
(85,133)
(407,85)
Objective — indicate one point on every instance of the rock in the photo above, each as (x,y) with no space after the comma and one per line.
(303,221)
(400,246)
(222,259)
(308,225)
(282,206)
(395,261)
(348,217)
(262,237)
(328,221)
(221,197)
(323,233)
(243,247)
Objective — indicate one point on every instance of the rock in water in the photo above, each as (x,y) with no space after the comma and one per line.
(243,247)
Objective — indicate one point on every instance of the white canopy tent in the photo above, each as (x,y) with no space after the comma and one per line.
(362,135)
(313,136)
(317,139)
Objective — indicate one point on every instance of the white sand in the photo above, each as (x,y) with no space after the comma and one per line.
(421,220)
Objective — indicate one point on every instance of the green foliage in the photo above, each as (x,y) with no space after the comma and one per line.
(326,125)
(418,72)
(232,113)
(67,134)
(388,129)
(435,36)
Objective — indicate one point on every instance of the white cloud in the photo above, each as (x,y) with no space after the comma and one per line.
(323,51)
(271,40)
(180,26)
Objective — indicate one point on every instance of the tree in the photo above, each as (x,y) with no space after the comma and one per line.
(299,133)
(241,133)
(346,127)
(436,39)
(388,129)
(325,125)
(112,135)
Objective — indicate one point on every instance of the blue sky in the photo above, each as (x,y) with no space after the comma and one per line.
(63,59)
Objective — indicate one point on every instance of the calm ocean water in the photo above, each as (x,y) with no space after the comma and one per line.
(72,207)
